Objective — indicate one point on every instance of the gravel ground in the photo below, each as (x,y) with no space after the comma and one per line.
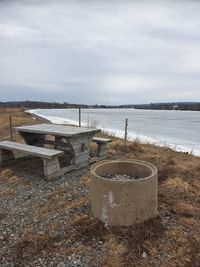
(49,224)
(40,220)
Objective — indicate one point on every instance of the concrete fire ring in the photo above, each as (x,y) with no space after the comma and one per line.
(124,202)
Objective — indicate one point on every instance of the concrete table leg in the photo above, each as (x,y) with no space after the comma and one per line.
(81,147)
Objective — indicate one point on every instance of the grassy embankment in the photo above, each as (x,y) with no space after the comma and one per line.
(18,118)
(176,231)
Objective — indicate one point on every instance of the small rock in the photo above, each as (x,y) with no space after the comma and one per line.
(66,184)
(144,254)
(41,262)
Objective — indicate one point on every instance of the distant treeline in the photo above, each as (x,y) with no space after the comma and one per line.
(155,106)
(38,104)
(168,106)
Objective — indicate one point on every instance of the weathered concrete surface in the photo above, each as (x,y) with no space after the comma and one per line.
(124,202)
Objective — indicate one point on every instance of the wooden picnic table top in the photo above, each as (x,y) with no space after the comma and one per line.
(55,129)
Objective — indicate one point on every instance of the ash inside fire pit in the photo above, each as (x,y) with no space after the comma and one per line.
(117,177)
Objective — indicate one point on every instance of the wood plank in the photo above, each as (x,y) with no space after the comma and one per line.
(31,150)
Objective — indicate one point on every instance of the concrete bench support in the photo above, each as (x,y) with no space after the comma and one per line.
(102,146)
(6,155)
(101,151)
(49,156)
(51,166)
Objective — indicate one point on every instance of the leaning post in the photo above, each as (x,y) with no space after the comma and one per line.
(126,131)
(10,123)
(79,117)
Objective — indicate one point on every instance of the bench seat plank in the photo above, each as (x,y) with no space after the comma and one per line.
(31,150)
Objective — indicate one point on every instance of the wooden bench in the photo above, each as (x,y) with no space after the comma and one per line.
(49,156)
(102,146)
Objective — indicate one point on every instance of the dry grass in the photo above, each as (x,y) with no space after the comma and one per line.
(116,251)
(174,233)
(177,184)
(185,209)
(7,192)
(195,251)
(57,201)
(29,245)
(179,194)
(86,181)
(6,173)
(2,211)
(18,118)
(189,221)
(129,147)
(13,180)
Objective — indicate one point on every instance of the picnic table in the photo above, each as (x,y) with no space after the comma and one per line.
(62,148)
(70,139)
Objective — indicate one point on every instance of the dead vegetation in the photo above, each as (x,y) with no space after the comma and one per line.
(179,204)
(171,239)
(129,147)
(18,118)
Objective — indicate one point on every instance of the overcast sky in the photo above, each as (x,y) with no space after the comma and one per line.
(100,51)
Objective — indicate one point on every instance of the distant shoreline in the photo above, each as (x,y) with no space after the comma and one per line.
(37,116)
(182,106)
(118,131)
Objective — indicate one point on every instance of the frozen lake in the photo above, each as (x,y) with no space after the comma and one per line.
(178,129)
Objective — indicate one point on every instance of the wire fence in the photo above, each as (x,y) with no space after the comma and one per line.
(92,123)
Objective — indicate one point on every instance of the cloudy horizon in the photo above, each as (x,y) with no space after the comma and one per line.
(100,52)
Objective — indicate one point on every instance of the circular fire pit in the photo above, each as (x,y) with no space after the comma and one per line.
(124,192)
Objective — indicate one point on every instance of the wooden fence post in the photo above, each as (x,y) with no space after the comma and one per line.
(10,122)
(79,117)
(126,131)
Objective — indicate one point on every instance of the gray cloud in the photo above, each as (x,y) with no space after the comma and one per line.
(100,51)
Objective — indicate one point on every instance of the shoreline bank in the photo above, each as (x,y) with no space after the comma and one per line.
(120,134)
